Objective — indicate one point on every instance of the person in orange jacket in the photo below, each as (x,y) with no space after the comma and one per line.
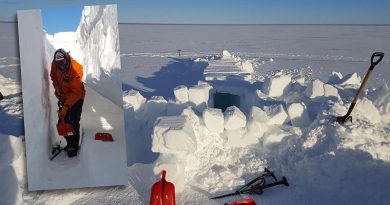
(67,75)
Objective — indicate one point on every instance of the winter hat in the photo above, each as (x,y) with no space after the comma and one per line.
(62,60)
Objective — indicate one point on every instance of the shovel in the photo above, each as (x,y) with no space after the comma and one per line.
(163,192)
(375,59)
(65,129)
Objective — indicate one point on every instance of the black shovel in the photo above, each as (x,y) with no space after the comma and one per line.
(375,59)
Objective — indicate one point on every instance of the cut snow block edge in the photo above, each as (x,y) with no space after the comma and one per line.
(133,98)
(298,114)
(181,94)
(234,118)
(277,86)
(276,114)
(317,91)
(214,120)
(367,110)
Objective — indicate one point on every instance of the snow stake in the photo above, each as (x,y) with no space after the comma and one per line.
(248,201)
(347,117)
(105,137)
(257,185)
(65,129)
(163,192)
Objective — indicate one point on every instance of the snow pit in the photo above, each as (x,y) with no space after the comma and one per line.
(225,100)
(351,79)
(173,134)
(317,91)
(276,114)
(277,86)
(133,98)
(298,114)
(234,118)
(214,120)
(181,94)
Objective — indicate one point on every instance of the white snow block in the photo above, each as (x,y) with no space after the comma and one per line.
(133,98)
(335,78)
(317,90)
(214,120)
(351,79)
(277,86)
(367,110)
(298,114)
(199,96)
(381,99)
(247,67)
(226,54)
(234,118)
(173,134)
(181,94)
(258,115)
(276,114)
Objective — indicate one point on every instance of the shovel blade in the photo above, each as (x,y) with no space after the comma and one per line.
(65,129)
(163,193)
(248,201)
(343,119)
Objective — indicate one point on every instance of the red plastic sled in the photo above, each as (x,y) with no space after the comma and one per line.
(248,201)
(106,137)
(163,192)
(65,129)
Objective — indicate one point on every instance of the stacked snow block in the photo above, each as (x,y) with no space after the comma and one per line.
(181,94)
(276,114)
(277,86)
(133,98)
(318,91)
(299,115)
(173,134)
(214,120)
(365,109)
(234,118)
(198,96)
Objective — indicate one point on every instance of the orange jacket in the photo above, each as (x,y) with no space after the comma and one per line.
(69,84)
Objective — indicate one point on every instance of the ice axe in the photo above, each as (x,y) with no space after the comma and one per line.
(375,59)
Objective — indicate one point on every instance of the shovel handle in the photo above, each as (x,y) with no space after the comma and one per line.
(376,58)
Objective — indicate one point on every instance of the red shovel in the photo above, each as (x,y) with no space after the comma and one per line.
(163,192)
(248,201)
(65,129)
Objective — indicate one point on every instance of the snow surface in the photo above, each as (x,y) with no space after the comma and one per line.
(93,166)
(325,163)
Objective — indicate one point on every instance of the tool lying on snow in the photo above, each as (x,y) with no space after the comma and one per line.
(105,137)
(248,201)
(256,185)
(163,192)
(374,62)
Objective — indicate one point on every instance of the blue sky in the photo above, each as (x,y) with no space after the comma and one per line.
(61,19)
(228,11)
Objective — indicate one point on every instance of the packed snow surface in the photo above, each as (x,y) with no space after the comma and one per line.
(324,162)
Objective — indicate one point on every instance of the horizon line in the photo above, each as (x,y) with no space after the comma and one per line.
(241,24)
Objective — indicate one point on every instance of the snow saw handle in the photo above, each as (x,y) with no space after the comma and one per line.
(375,59)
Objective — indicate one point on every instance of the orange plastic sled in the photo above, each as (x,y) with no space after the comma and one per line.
(248,201)
(163,192)
(105,137)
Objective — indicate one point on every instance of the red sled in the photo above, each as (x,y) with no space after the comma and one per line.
(65,129)
(248,201)
(163,192)
(105,137)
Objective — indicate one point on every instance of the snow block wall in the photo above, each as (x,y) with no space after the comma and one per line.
(35,101)
(98,35)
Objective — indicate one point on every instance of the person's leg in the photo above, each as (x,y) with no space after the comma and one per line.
(73,117)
